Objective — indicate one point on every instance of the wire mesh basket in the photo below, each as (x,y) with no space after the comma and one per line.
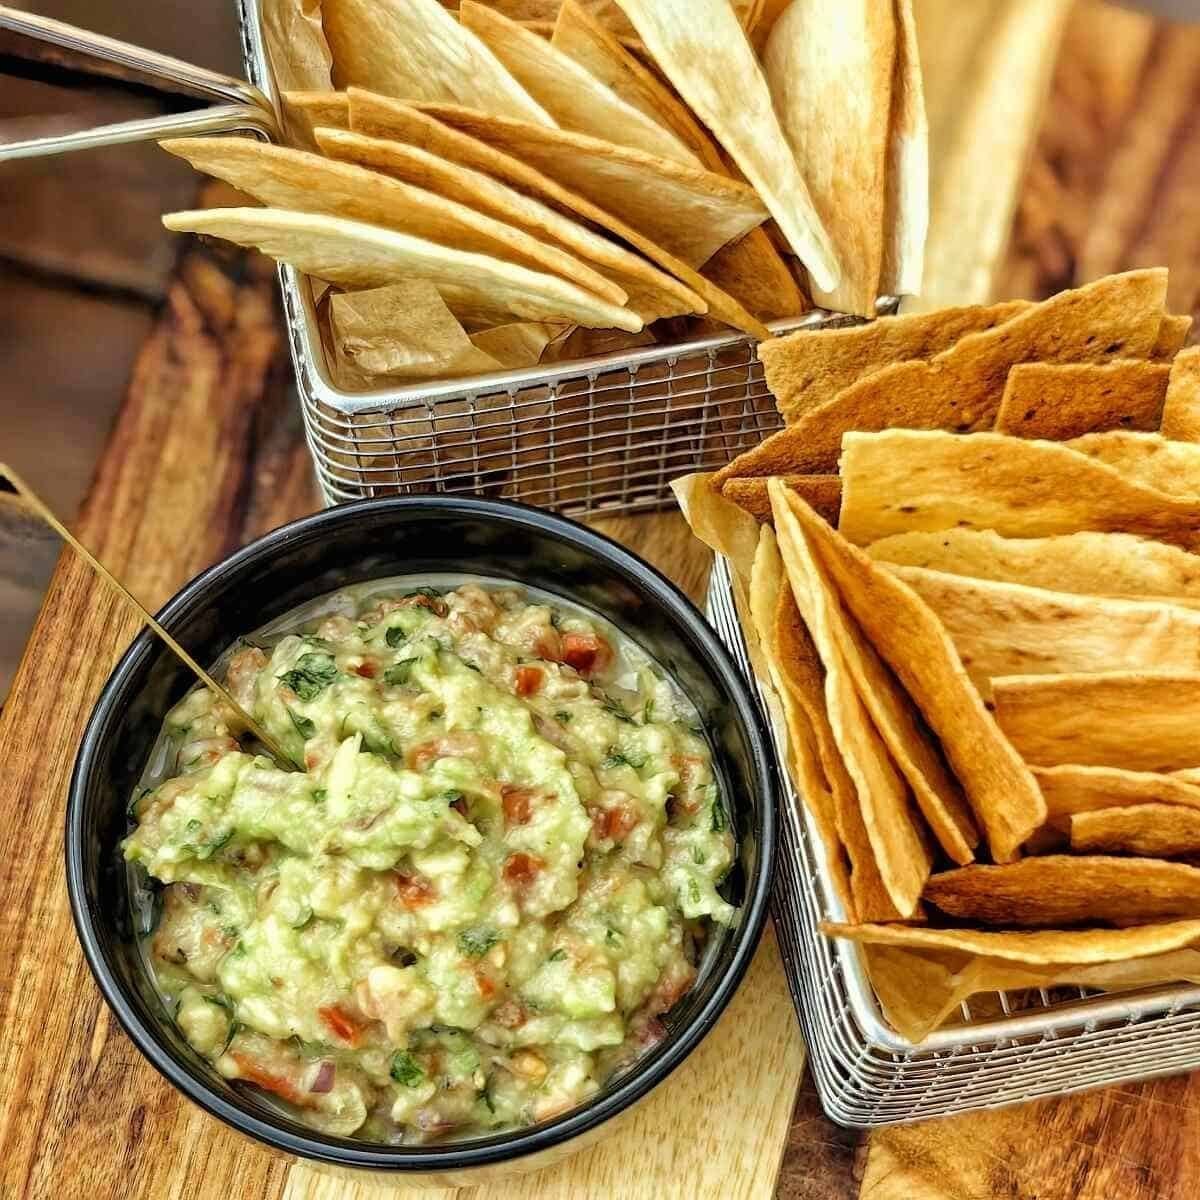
(1004,1047)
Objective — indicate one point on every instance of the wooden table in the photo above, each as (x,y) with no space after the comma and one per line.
(207,453)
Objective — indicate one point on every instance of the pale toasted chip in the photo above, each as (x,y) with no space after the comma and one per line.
(719,523)
(1149,458)
(703,50)
(810,366)
(1070,788)
(689,211)
(293,179)
(1181,409)
(358,255)
(908,480)
(1149,830)
(908,636)
(644,282)
(328,108)
(843,48)
(608,12)
(754,272)
(822,492)
(574,97)
(906,213)
(1138,720)
(1059,401)
(1090,563)
(416,50)
(1172,336)
(1011,629)
(1061,889)
(960,390)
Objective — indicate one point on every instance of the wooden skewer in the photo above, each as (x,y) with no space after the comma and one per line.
(40,509)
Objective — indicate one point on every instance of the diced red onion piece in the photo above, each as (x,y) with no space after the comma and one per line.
(323,1080)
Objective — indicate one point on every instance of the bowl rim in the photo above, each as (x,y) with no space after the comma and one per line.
(502,1147)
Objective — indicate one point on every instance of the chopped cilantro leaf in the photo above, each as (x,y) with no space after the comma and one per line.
(623,758)
(718,816)
(304,727)
(319,795)
(394,636)
(399,672)
(312,675)
(614,707)
(557,955)
(563,718)
(693,891)
(475,943)
(405,1070)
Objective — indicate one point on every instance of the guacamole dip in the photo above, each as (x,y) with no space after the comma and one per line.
(496,871)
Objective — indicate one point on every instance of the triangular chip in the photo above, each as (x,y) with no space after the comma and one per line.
(358,255)
(1137,720)
(1071,788)
(839,48)
(416,50)
(1172,336)
(1149,830)
(1090,563)
(808,367)
(1012,629)
(703,51)
(649,292)
(1148,458)
(293,179)
(823,492)
(331,109)
(1059,401)
(896,835)
(386,119)
(689,211)
(905,480)
(1181,409)
(1066,889)
(960,390)
(910,638)
(576,99)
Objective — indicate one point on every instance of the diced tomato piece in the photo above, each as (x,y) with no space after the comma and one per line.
(686,765)
(414,890)
(452,745)
(341,1024)
(367,670)
(529,680)
(280,1085)
(435,604)
(487,987)
(614,823)
(588,653)
(312,760)
(510,1015)
(522,869)
(518,804)
(459,804)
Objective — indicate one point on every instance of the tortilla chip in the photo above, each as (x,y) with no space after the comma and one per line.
(1172,336)
(909,637)
(725,87)
(607,12)
(305,110)
(1138,720)
(1011,629)
(1059,401)
(293,179)
(808,367)
(569,93)
(909,480)
(960,390)
(416,50)
(1063,889)
(839,48)
(1113,564)
(1181,409)
(689,211)
(298,58)
(718,523)
(358,255)
(896,834)
(906,211)
(1149,830)
(1171,467)
(519,344)
(1074,789)
(378,115)
(822,492)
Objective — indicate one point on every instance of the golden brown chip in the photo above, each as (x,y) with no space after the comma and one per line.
(1071,788)
(909,480)
(1139,720)
(1172,336)
(308,109)
(908,636)
(1065,889)
(378,116)
(810,366)
(359,255)
(294,179)
(725,87)
(1149,830)
(823,492)
(896,833)
(1114,564)
(1181,409)
(416,50)
(1059,401)
(1010,629)
(839,48)
(960,390)
(1148,458)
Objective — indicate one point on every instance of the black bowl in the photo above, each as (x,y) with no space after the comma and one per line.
(371,540)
